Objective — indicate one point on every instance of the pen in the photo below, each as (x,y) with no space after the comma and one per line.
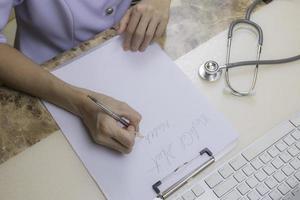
(112,114)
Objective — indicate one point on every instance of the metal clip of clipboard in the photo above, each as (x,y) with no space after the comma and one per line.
(178,184)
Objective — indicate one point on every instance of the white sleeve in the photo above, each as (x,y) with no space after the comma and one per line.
(5,10)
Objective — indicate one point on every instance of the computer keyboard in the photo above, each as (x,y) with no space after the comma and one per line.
(269,169)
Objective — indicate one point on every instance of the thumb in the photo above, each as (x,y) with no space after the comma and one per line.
(124,21)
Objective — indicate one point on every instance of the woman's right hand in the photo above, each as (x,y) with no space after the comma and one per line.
(103,129)
(20,73)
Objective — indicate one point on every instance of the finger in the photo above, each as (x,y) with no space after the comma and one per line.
(140,32)
(131,27)
(108,128)
(131,128)
(161,29)
(149,34)
(124,22)
(123,136)
(129,113)
(113,144)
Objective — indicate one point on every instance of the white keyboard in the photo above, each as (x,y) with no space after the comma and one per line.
(269,169)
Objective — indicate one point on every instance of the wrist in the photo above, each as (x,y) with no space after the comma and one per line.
(76,100)
(81,103)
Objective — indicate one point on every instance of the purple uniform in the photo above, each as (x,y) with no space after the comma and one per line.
(48,27)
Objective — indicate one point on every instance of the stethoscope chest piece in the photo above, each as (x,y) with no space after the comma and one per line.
(210,71)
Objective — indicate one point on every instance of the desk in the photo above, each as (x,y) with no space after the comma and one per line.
(49,169)
(24,121)
(277,96)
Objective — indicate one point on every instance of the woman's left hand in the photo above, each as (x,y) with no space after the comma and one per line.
(143,23)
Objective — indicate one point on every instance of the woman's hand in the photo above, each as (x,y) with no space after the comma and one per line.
(20,73)
(104,129)
(143,23)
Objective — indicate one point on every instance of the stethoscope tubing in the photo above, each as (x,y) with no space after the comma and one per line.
(261,62)
(211,71)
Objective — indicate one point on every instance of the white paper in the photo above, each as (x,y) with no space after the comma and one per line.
(177,121)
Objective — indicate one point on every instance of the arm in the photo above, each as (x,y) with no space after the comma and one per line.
(20,73)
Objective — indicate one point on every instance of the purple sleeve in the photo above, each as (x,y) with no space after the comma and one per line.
(5,9)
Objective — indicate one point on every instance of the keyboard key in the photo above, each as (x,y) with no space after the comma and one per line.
(289,196)
(232,195)
(257,164)
(213,180)
(279,176)
(277,163)
(243,188)
(287,170)
(273,151)
(189,195)
(265,142)
(252,182)
(292,182)
(296,134)
(283,188)
(289,140)
(271,182)
(262,189)
(281,146)
(226,171)
(266,198)
(239,176)
(253,195)
(293,151)
(265,158)
(225,186)
(198,190)
(179,198)
(260,175)
(297,175)
(295,163)
(248,170)
(298,145)
(296,191)
(285,157)
(238,162)
(269,169)
(275,195)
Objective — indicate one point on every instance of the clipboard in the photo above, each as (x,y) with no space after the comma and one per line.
(163,194)
(172,136)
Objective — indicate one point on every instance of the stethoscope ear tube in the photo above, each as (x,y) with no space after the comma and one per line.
(250,23)
(249,91)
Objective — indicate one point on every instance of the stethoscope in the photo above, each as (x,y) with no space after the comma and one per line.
(212,71)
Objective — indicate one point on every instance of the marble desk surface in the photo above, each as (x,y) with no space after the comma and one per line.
(23,119)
